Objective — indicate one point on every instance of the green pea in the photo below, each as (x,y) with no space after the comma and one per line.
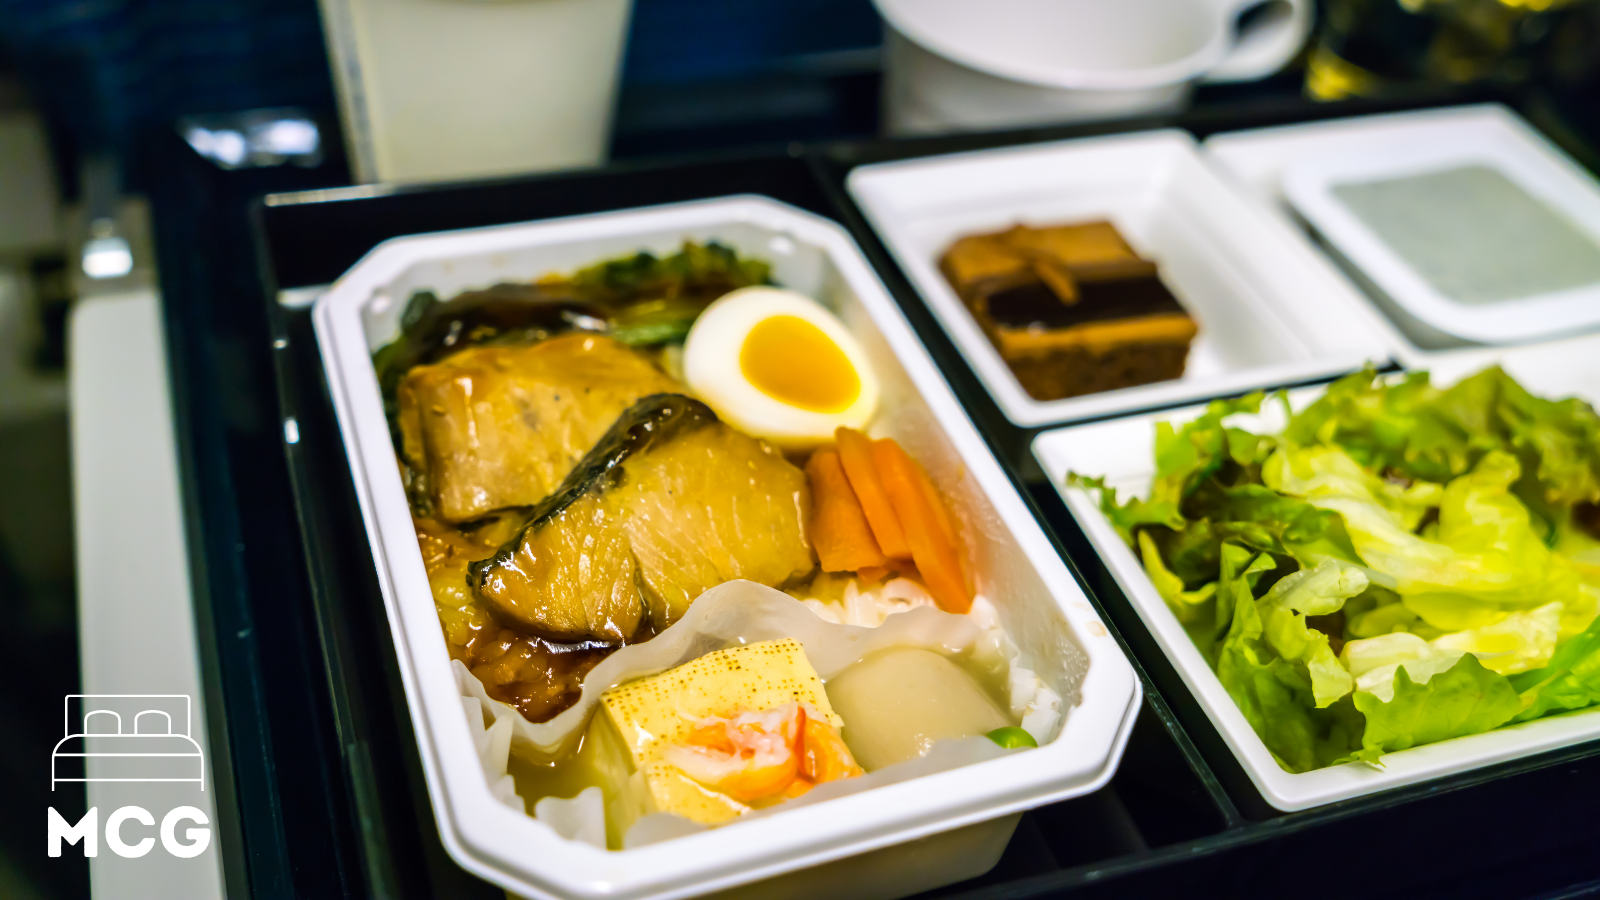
(1012,738)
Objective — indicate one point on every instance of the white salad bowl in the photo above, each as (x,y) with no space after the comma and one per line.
(1044,611)
(1120,451)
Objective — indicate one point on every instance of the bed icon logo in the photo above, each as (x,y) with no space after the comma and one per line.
(127,737)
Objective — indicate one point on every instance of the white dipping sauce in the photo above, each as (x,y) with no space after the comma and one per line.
(1475,235)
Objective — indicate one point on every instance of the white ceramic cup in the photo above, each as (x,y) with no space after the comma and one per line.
(955,65)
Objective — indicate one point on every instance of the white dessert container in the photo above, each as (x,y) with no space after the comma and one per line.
(1267,310)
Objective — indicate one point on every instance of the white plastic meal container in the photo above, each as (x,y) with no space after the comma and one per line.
(1267,309)
(1041,606)
(1121,451)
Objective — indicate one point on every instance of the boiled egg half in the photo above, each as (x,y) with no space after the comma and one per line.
(777,365)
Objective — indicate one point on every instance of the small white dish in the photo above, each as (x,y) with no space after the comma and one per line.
(1120,450)
(1268,312)
(1481,240)
(1261,161)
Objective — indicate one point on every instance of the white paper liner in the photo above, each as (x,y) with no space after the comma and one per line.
(580,818)
(491,736)
(732,614)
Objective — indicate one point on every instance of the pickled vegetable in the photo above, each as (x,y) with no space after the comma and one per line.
(896,703)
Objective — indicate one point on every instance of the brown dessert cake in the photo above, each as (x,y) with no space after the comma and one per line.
(982,264)
(1072,308)
(1073,245)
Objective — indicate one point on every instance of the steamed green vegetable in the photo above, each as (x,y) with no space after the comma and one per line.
(1400,564)
(1012,738)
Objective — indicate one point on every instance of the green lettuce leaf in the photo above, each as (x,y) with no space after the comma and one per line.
(1239,572)
(1191,607)
(1385,424)
(1193,554)
(1323,472)
(1128,515)
(1318,591)
(1517,643)
(1444,540)
(1501,561)
(1411,428)
(1480,560)
(1275,694)
(1377,612)
(1570,680)
(1379,656)
(1463,699)
(1185,457)
(1268,521)
(1557,441)
(1521,641)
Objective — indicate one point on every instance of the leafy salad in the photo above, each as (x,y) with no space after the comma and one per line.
(1400,564)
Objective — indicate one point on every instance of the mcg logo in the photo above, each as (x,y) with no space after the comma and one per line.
(129,738)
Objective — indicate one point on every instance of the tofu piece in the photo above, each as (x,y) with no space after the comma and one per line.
(652,713)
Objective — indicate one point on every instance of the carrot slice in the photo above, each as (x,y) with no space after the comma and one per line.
(945,521)
(872,573)
(838,528)
(927,526)
(855,452)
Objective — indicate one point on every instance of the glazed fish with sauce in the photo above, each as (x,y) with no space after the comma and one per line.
(668,504)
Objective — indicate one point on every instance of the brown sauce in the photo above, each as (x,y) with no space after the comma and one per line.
(539,677)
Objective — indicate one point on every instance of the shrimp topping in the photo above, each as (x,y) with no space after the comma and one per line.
(763,756)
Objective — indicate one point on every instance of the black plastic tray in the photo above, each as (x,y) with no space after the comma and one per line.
(1178,814)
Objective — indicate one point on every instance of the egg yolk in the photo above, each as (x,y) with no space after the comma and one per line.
(795,362)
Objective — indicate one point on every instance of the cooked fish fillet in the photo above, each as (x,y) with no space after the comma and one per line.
(574,579)
(709,506)
(694,502)
(495,427)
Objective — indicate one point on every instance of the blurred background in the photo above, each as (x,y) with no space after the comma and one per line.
(91,92)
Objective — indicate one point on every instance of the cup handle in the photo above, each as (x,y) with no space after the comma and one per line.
(1266,45)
